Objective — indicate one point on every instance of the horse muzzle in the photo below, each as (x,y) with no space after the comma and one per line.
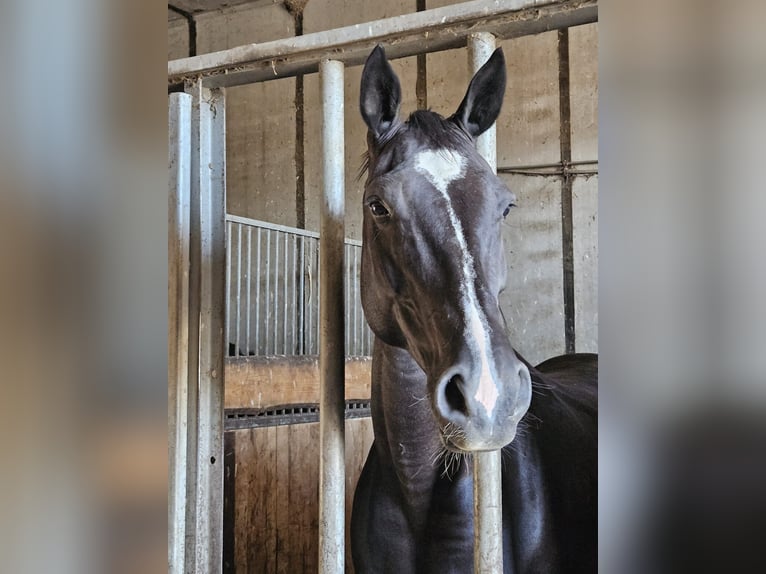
(478,408)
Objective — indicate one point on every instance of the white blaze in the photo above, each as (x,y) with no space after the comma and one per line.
(442,167)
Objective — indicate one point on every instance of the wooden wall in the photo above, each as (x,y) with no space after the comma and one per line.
(260,382)
(271,476)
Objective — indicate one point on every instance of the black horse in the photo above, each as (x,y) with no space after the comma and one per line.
(445,380)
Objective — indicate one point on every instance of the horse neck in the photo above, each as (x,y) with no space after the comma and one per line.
(406,432)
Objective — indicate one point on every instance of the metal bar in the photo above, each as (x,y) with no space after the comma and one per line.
(487,484)
(421,83)
(179,192)
(302,299)
(276,293)
(331,354)
(554,165)
(237,347)
(487,513)
(194,340)
(347,304)
(267,304)
(407,35)
(294,302)
(309,323)
(229,226)
(253,418)
(271,226)
(258,296)
(249,288)
(556,173)
(567,225)
(355,283)
(285,302)
(209,186)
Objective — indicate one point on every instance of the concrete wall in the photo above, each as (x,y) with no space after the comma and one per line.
(263,178)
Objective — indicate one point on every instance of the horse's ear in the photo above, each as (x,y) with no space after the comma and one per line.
(380,93)
(484,98)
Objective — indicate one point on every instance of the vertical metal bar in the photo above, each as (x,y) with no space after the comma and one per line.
(309,295)
(258,296)
(209,187)
(331,354)
(284,302)
(480,48)
(355,283)
(487,484)
(229,227)
(194,308)
(567,226)
(294,298)
(267,294)
(346,304)
(302,300)
(249,288)
(350,298)
(313,268)
(317,293)
(179,162)
(276,292)
(237,346)
(349,302)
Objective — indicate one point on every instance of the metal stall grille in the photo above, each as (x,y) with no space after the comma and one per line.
(204,77)
(272,286)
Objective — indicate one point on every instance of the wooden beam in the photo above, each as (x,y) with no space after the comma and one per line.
(260,382)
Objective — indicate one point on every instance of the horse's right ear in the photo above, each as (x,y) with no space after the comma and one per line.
(380,93)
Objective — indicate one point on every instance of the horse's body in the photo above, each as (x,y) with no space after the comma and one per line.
(445,380)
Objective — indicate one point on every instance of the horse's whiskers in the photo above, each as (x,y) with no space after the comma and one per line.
(417,400)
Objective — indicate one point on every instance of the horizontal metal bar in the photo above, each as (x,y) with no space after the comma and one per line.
(554,173)
(553,165)
(407,35)
(240,419)
(272,226)
(557,169)
(283,228)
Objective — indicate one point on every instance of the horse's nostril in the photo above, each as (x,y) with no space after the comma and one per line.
(454,394)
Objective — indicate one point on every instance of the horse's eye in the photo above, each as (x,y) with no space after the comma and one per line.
(378,209)
(508,209)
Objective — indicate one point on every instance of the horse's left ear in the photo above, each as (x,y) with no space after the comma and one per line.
(484,98)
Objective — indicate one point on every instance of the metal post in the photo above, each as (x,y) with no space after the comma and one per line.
(208,301)
(331,350)
(487,483)
(179,164)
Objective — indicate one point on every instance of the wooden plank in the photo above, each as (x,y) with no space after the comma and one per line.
(229,501)
(304,496)
(255,514)
(282,492)
(358,441)
(257,382)
(276,497)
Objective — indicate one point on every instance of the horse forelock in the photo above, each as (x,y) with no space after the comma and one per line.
(423,128)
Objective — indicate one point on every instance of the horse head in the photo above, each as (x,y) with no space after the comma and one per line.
(433,263)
